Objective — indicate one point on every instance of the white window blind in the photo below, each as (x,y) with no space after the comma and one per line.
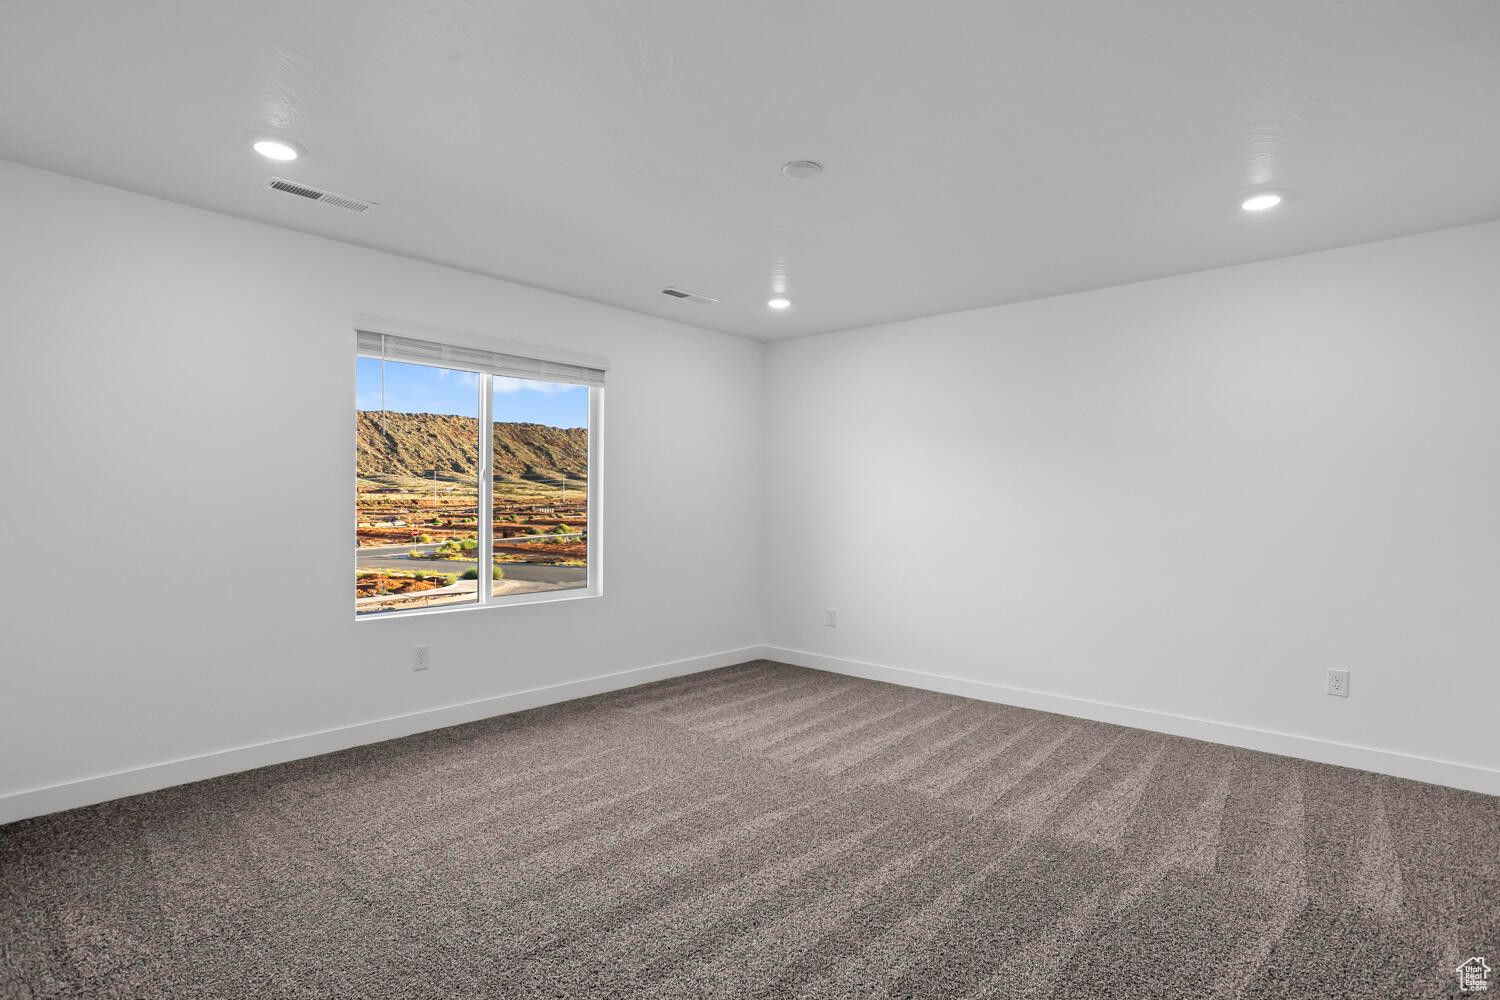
(425,352)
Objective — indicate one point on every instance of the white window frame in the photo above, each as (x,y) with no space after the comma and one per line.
(486,600)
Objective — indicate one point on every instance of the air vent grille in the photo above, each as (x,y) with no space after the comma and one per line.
(326,197)
(678,293)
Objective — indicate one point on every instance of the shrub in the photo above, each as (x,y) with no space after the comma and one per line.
(415,554)
(424,539)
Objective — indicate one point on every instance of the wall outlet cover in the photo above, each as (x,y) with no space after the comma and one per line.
(1338,683)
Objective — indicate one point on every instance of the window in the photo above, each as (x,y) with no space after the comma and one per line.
(433,495)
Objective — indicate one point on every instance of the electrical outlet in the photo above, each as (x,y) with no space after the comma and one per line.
(420,658)
(831,618)
(1338,683)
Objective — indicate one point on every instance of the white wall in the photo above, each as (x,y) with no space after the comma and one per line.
(1188,496)
(176,390)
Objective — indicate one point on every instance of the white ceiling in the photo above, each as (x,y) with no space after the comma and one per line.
(977,152)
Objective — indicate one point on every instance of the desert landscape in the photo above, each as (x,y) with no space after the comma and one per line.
(416,509)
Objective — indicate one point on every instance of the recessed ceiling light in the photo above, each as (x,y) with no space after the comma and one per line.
(779,303)
(277,149)
(802,170)
(1260,202)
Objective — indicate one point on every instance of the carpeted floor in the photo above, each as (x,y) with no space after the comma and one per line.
(762,831)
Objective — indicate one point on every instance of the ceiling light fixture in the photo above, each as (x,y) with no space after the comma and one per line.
(1260,202)
(779,303)
(802,170)
(277,149)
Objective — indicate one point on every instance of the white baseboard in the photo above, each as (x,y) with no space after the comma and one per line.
(101,788)
(133,781)
(1437,772)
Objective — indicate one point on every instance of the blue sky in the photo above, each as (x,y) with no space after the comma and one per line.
(423,389)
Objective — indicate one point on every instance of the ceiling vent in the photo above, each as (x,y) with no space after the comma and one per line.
(315,194)
(678,293)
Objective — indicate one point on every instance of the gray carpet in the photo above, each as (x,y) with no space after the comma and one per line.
(762,831)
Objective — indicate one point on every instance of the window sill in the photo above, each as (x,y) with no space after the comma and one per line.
(517,601)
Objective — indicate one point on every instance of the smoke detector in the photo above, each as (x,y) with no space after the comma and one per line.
(802,170)
(317,194)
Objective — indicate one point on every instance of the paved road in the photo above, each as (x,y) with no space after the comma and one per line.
(394,557)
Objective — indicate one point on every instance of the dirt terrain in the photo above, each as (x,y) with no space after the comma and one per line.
(413,445)
(379,583)
(545,553)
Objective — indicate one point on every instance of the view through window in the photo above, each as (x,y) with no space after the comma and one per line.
(421,521)
(540,494)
